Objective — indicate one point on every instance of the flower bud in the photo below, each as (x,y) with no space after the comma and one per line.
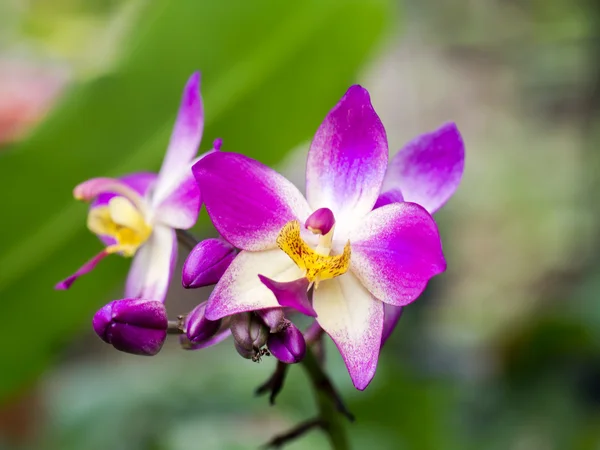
(249,332)
(288,345)
(206,263)
(321,221)
(135,326)
(273,318)
(198,328)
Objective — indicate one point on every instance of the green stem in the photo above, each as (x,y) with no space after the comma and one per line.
(328,403)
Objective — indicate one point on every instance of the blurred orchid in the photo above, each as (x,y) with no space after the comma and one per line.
(426,171)
(136,215)
(357,258)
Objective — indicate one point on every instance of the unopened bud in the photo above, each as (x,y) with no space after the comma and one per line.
(198,328)
(321,221)
(273,318)
(135,326)
(249,333)
(206,263)
(288,345)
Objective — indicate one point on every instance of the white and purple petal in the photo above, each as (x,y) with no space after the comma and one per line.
(240,289)
(184,142)
(247,201)
(353,319)
(395,251)
(428,169)
(153,265)
(347,159)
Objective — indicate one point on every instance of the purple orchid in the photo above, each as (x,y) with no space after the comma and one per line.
(357,259)
(426,171)
(136,215)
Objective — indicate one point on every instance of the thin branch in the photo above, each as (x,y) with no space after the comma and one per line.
(329,404)
(304,427)
(275,383)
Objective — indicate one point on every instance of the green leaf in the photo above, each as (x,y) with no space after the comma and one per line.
(270,71)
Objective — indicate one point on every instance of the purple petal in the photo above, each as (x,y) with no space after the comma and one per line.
(240,289)
(153,265)
(291,294)
(347,158)
(207,263)
(179,209)
(92,188)
(185,138)
(391,316)
(428,169)
(135,326)
(247,202)
(140,182)
(87,267)
(288,345)
(395,251)
(393,196)
(354,320)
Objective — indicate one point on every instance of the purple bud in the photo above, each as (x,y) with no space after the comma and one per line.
(197,327)
(135,326)
(217,143)
(273,318)
(321,221)
(287,346)
(206,263)
(248,331)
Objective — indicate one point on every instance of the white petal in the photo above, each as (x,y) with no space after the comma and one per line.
(153,265)
(354,320)
(241,290)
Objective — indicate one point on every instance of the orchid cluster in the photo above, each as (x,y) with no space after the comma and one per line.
(348,255)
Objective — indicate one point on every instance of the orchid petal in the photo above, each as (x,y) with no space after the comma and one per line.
(393,196)
(185,140)
(391,316)
(153,265)
(347,158)
(291,294)
(241,290)
(87,267)
(140,182)
(247,202)
(395,251)
(354,320)
(90,189)
(180,207)
(428,169)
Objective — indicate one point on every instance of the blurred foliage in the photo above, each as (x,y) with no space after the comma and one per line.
(270,71)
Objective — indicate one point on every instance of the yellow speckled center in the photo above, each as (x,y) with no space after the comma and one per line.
(317,264)
(123,222)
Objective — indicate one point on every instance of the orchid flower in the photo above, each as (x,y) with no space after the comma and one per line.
(426,171)
(356,258)
(137,215)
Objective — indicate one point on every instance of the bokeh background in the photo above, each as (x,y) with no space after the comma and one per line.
(501,352)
